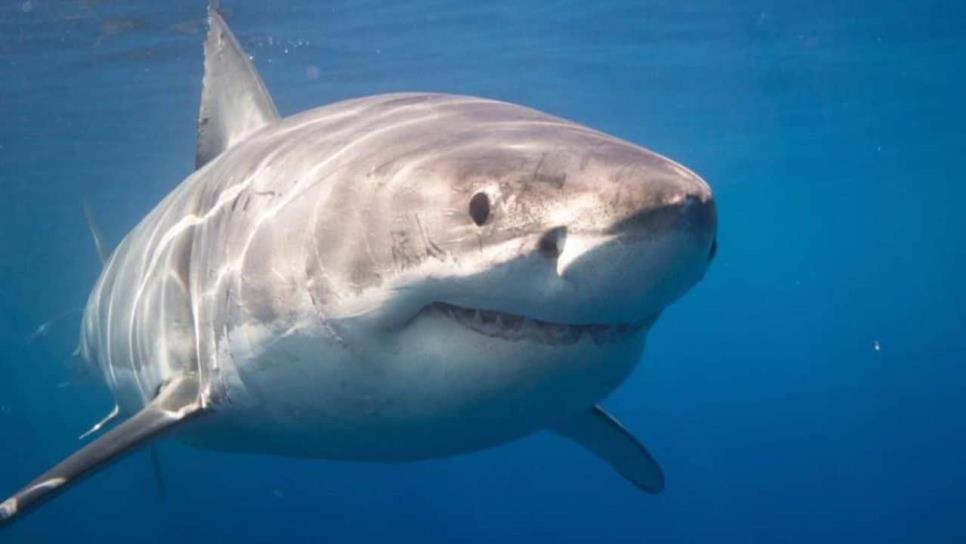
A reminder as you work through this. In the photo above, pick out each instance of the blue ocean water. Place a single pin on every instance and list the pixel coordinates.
(811, 388)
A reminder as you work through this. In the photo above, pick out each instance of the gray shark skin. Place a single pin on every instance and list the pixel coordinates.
(386, 279)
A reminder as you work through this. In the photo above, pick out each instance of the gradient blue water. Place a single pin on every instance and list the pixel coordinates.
(832, 133)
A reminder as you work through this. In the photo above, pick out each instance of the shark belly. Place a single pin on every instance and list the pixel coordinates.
(291, 398)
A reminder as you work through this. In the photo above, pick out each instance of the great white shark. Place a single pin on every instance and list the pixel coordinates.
(386, 279)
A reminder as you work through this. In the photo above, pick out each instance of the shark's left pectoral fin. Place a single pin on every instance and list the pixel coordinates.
(177, 401)
(603, 435)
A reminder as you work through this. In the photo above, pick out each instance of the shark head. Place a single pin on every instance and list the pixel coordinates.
(501, 263)
(543, 220)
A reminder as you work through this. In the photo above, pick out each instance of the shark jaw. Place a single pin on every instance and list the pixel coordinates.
(516, 328)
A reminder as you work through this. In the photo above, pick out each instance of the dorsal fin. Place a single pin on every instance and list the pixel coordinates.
(234, 102)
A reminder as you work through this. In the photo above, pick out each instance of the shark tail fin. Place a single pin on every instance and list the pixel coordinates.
(177, 402)
(234, 101)
(99, 244)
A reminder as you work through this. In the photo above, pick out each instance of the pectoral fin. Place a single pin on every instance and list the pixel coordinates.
(177, 401)
(603, 435)
(102, 251)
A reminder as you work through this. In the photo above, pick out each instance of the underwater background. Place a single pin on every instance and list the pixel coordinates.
(811, 389)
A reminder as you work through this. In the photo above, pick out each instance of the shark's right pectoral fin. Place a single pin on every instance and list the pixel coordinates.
(177, 401)
(603, 435)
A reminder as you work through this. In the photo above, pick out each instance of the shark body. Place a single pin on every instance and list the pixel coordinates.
(386, 279)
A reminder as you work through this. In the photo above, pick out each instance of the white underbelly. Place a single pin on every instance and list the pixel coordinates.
(406, 398)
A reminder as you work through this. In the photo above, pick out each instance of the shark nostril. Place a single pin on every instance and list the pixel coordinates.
(714, 250)
(552, 242)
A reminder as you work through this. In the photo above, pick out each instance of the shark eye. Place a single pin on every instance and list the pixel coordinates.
(480, 208)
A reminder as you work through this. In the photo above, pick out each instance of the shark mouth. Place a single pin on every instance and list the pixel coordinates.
(516, 327)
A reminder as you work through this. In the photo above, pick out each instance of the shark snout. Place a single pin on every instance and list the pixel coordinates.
(684, 215)
(691, 213)
(651, 249)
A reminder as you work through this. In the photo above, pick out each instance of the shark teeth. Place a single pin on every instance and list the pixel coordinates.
(516, 327)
